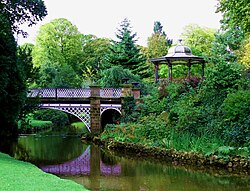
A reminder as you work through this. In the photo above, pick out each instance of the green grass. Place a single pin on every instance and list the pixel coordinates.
(17, 175)
(39, 123)
(78, 125)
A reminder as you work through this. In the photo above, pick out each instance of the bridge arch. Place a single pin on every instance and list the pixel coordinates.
(81, 111)
(110, 116)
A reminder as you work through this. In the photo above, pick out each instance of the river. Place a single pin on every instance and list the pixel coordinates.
(99, 169)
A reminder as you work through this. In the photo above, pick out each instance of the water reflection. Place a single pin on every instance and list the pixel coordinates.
(44, 150)
(98, 169)
(81, 166)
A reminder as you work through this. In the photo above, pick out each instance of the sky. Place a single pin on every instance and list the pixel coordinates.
(102, 17)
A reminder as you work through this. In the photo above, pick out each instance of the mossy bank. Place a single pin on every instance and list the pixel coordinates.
(237, 165)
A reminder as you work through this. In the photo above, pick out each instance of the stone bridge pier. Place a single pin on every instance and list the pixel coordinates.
(96, 107)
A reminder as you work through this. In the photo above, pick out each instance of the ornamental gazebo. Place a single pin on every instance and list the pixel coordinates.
(178, 55)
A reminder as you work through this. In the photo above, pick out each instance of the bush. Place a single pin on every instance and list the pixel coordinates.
(236, 118)
(113, 77)
(58, 118)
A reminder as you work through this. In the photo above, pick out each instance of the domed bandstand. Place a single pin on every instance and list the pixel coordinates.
(178, 55)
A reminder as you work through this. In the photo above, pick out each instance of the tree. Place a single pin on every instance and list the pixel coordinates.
(20, 12)
(112, 77)
(58, 45)
(199, 39)
(124, 52)
(226, 44)
(94, 57)
(12, 85)
(24, 58)
(244, 54)
(12, 88)
(235, 14)
(158, 43)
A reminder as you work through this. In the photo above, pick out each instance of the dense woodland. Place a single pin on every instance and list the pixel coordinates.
(210, 116)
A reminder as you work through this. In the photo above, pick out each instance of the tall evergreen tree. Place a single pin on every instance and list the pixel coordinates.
(126, 53)
(12, 85)
(12, 88)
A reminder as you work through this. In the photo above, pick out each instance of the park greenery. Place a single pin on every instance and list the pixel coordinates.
(210, 116)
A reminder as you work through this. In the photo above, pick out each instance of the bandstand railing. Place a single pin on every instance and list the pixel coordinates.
(73, 93)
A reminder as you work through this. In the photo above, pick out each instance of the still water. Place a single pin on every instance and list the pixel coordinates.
(98, 169)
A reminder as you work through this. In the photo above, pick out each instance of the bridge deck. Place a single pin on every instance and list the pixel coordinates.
(73, 93)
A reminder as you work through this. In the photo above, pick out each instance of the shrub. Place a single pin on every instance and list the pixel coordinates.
(58, 118)
(236, 118)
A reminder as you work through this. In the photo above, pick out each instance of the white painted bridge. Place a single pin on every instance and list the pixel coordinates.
(80, 102)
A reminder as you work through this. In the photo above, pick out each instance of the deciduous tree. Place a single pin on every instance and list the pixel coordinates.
(25, 11)
(58, 45)
(94, 57)
(235, 14)
(199, 39)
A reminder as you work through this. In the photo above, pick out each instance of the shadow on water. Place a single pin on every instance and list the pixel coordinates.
(98, 169)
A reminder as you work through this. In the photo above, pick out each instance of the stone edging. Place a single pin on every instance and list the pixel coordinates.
(238, 165)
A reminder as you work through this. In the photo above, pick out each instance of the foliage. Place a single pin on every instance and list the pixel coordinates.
(152, 103)
(129, 106)
(158, 43)
(57, 52)
(124, 52)
(244, 54)
(236, 116)
(94, 55)
(25, 11)
(226, 44)
(12, 87)
(24, 56)
(58, 118)
(29, 177)
(223, 77)
(199, 39)
(113, 76)
(235, 14)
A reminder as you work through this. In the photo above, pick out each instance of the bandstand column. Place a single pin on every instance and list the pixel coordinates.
(170, 77)
(156, 72)
(189, 70)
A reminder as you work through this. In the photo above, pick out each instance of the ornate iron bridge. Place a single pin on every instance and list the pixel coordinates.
(78, 101)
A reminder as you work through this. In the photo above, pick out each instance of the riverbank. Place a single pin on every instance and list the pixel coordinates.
(17, 175)
(234, 165)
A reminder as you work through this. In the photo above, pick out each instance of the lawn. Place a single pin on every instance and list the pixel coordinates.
(17, 175)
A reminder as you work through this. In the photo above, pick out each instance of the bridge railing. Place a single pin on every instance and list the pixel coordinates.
(110, 92)
(73, 93)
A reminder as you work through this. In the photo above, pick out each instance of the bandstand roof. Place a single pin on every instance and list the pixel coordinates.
(178, 55)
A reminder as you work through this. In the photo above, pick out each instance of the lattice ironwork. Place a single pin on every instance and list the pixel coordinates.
(116, 107)
(47, 92)
(33, 93)
(111, 92)
(73, 93)
(81, 111)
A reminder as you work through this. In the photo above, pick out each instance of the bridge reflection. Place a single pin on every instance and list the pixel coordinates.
(89, 163)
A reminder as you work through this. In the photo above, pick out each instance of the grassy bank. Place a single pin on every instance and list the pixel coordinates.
(17, 175)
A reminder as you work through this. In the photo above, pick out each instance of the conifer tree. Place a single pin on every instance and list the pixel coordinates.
(126, 53)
